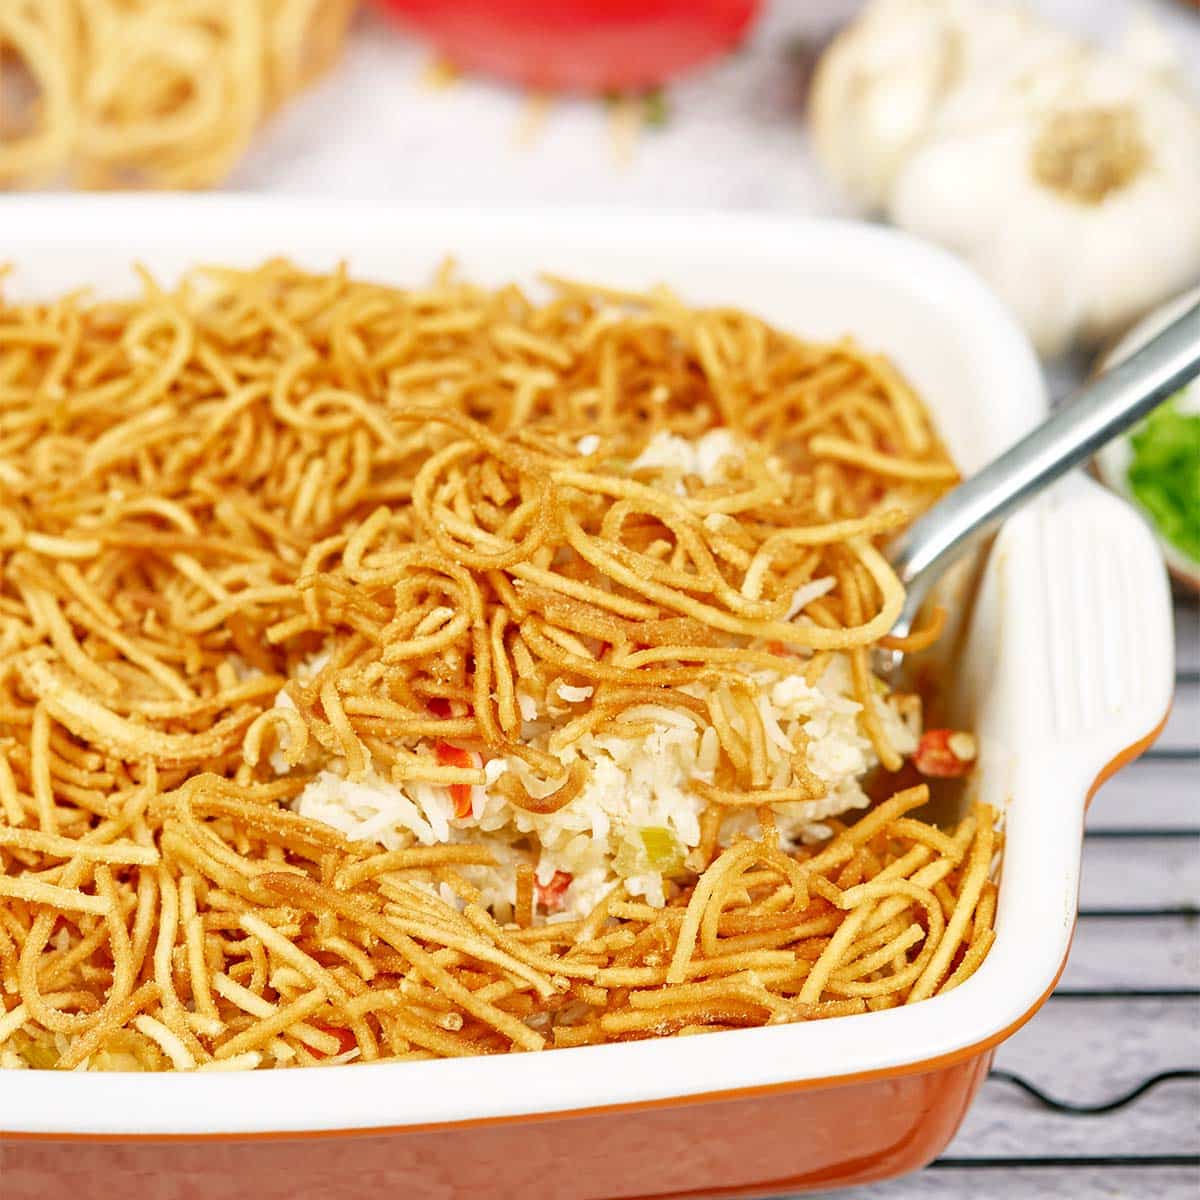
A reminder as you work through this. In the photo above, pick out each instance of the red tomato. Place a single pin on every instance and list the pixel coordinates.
(578, 45)
(945, 753)
(460, 793)
(551, 895)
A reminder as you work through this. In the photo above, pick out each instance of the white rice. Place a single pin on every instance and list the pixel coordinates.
(632, 785)
(638, 792)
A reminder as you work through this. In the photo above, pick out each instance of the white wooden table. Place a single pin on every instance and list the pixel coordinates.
(1128, 1007)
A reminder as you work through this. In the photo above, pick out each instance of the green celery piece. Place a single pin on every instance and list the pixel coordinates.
(654, 848)
(662, 848)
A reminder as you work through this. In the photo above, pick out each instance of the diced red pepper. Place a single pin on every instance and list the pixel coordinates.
(460, 793)
(453, 756)
(945, 753)
(346, 1040)
(439, 706)
(551, 896)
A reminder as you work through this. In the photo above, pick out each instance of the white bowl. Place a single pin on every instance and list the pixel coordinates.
(1113, 461)
(1067, 664)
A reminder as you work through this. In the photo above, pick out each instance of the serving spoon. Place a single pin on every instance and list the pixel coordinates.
(1097, 413)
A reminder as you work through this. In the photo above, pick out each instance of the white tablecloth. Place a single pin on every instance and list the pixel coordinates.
(734, 137)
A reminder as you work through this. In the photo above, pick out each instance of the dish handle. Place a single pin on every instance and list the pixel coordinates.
(1097, 660)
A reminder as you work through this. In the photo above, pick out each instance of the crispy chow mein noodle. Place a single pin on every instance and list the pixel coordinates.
(402, 674)
(150, 93)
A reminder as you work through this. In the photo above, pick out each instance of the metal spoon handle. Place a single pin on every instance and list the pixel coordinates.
(1104, 408)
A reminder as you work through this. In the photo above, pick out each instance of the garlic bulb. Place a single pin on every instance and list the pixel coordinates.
(1075, 190)
(880, 83)
(1067, 176)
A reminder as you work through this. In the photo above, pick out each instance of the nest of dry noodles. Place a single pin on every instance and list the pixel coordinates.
(151, 93)
(200, 489)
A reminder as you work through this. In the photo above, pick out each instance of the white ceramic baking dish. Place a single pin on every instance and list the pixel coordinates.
(1066, 671)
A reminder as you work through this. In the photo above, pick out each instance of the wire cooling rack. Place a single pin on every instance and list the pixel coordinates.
(1099, 1095)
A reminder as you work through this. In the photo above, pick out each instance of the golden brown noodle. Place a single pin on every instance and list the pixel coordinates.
(201, 488)
(151, 93)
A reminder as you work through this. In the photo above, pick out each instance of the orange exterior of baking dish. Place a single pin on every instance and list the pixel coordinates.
(790, 1141)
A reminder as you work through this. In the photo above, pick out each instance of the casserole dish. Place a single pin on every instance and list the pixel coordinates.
(1063, 670)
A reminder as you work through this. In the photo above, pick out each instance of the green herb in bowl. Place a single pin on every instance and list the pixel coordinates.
(1157, 465)
(1164, 474)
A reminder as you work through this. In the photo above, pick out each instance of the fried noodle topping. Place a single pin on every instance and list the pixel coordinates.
(275, 545)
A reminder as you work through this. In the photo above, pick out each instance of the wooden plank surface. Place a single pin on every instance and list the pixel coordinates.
(1149, 874)
(1153, 794)
(1183, 725)
(1160, 952)
(1050, 1182)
